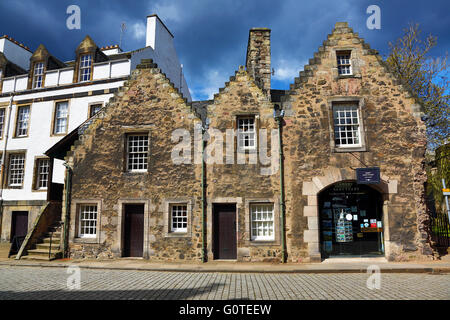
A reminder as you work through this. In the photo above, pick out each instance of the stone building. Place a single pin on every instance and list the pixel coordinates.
(43, 99)
(138, 186)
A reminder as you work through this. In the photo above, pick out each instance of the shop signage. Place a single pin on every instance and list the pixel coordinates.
(368, 175)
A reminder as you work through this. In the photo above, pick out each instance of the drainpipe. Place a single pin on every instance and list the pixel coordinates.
(278, 115)
(203, 201)
(67, 207)
(205, 127)
(3, 161)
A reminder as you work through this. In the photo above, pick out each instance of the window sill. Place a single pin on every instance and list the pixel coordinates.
(349, 149)
(86, 240)
(177, 235)
(264, 242)
(348, 76)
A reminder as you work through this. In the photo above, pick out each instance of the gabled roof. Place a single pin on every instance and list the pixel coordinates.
(42, 53)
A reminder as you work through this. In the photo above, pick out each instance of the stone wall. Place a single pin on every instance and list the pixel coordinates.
(258, 60)
(147, 103)
(394, 140)
(245, 183)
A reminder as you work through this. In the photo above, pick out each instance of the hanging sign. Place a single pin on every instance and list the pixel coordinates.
(368, 175)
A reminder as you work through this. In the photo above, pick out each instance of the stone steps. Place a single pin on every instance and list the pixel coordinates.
(42, 248)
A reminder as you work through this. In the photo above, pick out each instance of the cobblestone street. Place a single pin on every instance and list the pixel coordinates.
(51, 283)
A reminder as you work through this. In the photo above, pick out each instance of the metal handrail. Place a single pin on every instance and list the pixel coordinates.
(50, 247)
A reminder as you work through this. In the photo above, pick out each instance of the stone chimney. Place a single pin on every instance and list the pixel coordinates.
(258, 57)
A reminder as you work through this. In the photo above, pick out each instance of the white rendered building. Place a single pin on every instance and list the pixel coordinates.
(42, 99)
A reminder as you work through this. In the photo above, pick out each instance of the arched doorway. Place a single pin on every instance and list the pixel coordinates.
(350, 217)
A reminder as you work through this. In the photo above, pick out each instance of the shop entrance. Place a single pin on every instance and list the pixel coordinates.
(350, 221)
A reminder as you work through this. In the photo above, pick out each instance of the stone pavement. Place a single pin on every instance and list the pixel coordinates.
(354, 265)
(38, 283)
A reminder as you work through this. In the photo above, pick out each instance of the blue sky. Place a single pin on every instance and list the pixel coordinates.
(211, 35)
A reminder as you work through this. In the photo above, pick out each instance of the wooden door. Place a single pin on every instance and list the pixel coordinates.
(19, 224)
(225, 246)
(134, 231)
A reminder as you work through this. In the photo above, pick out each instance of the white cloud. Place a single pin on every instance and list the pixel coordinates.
(138, 30)
(167, 12)
(287, 69)
(214, 80)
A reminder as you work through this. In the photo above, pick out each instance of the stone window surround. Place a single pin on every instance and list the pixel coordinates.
(74, 216)
(362, 130)
(118, 246)
(168, 217)
(236, 116)
(210, 225)
(276, 222)
(124, 132)
(91, 104)
(312, 189)
(356, 73)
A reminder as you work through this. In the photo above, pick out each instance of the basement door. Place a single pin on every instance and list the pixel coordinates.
(134, 231)
(19, 224)
(225, 246)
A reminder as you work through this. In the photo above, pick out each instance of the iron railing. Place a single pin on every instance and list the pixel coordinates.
(440, 229)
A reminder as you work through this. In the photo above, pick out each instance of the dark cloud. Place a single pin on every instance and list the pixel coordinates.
(211, 35)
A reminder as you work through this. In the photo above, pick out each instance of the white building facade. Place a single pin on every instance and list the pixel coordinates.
(42, 99)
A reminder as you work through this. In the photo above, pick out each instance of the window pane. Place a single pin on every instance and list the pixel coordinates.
(262, 223)
(88, 221)
(137, 147)
(16, 169)
(179, 218)
(2, 121)
(85, 68)
(346, 125)
(22, 121)
(246, 133)
(38, 75)
(61, 112)
(43, 166)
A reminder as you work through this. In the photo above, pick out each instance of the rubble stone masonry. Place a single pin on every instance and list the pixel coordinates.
(393, 138)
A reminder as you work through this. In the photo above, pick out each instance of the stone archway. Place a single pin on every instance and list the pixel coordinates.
(312, 188)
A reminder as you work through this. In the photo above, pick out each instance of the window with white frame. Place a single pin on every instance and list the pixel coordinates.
(23, 116)
(42, 172)
(87, 221)
(2, 120)
(344, 62)
(38, 75)
(178, 218)
(137, 152)
(16, 169)
(60, 122)
(347, 132)
(85, 67)
(262, 222)
(246, 133)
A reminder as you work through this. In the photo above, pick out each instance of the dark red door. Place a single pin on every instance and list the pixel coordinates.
(134, 231)
(225, 246)
(19, 224)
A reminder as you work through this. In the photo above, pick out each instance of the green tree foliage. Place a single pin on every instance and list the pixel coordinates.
(427, 78)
